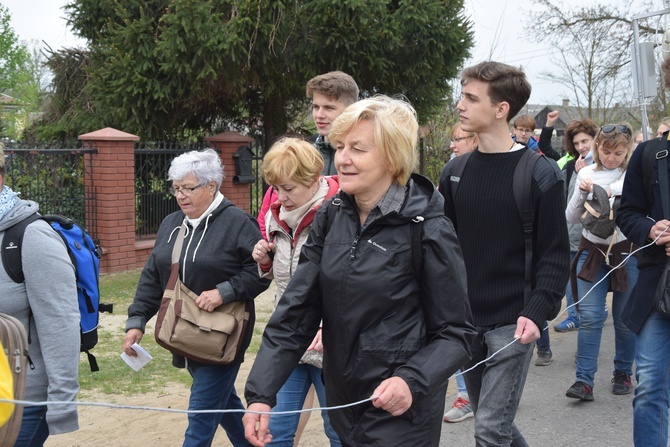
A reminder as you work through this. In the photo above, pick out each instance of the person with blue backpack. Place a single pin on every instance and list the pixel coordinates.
(46, 303)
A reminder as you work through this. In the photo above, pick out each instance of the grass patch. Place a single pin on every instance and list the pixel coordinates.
(117, 378)
(119, 289)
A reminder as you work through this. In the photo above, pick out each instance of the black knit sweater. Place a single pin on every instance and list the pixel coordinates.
(490, 232)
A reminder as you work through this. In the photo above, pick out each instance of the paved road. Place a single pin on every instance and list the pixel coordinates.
(547, 418)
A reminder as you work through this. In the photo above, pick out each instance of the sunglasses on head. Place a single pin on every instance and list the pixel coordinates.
(609, 128)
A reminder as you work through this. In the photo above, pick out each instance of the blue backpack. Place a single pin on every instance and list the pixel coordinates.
(85, 256)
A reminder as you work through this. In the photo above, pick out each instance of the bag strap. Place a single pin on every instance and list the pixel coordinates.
(178, 244)
(662, 157)
(648, 156)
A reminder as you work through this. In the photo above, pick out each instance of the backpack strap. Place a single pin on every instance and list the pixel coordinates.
(12, 243)
(457, 169)
(522, 189)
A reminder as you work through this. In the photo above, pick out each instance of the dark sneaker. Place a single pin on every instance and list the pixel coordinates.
(543, 358)
(567, 325)
(621, 383)
(581, 391)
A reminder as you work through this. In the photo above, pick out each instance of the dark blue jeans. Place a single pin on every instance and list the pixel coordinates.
(291, 397)
(214, 388)
(34, 428)
(495, 387)
(652, 393)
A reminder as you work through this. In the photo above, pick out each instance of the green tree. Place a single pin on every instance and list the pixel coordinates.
(13, 54)
(164, 69)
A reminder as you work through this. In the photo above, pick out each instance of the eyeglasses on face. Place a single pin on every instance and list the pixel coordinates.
(522, 130)
(456, 140)
(609, 128)
(186, 192)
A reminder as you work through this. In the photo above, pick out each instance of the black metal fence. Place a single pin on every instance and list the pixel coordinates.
(56, 176)
(152, 200)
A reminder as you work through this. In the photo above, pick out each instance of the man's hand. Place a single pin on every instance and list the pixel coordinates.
(526, 331)
(256, 425)
(394, 396)
(658, 229)
(551, 118)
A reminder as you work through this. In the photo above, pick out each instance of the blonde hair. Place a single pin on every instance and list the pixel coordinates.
(395, 131)
(294, 159)
(612, 140)
(457, 128)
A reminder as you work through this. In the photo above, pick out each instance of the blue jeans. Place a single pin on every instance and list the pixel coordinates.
(291, 397)
(34, 429)
(214, 389)
(543, 343)
(593, 314)
(652, 394)
(460, 383)
(495, 387)
(569, 299)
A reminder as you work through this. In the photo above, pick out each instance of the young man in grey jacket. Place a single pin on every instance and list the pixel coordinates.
(46, 304)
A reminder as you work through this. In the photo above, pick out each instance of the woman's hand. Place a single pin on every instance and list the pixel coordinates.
(209, 300)
(579, 163)
(256, 425)
(394, 396)
(316, 344)
(586, 185)
(261, 253)
(132, 336)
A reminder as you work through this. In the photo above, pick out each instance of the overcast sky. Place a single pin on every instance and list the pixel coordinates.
(498, 25)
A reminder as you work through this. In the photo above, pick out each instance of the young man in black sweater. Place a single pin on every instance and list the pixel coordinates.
(491, 235)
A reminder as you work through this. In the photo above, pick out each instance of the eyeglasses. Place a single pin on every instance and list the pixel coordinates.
(456, 140)
(186, 192)
(522, 130)
(609, 128)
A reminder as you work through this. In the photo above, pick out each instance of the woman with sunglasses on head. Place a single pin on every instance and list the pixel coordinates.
(612, 148)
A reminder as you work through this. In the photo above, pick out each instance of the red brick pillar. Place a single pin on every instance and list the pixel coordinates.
(114, 186)
(228, 143)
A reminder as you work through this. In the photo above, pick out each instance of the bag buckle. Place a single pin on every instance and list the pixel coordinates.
(661, 154)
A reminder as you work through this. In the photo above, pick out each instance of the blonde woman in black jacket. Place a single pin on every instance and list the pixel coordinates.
(392, 333)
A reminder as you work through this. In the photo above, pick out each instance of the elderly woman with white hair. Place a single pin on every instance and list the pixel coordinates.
(383, 269)
(216, 264)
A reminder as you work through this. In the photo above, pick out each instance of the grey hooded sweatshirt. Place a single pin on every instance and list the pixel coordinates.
(50, 291)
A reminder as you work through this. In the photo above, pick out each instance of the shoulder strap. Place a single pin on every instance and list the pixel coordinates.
(522, 190)
(662, 157)
(416, 229)
(457, 169)
(648, 156)
(11, 248)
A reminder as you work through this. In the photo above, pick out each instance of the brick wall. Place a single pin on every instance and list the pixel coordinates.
(113, 184)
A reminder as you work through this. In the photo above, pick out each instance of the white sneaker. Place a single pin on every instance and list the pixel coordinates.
(460, 411)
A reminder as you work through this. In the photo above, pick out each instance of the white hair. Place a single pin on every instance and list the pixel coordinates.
(205, 166)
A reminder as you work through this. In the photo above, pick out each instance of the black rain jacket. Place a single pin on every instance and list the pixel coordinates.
(378, 319)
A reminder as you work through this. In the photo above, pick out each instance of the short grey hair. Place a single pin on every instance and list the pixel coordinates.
(205, 166)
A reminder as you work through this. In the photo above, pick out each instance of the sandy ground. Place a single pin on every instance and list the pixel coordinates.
(100, 426)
